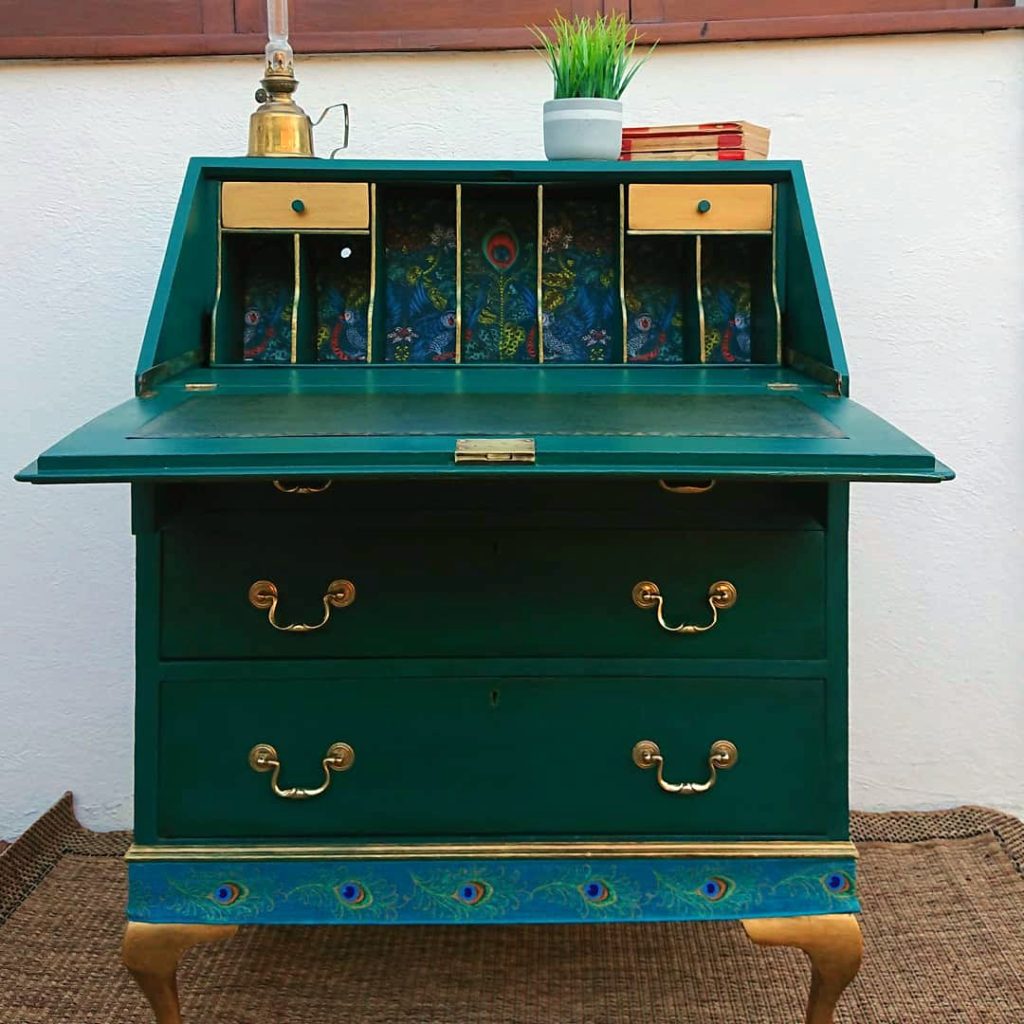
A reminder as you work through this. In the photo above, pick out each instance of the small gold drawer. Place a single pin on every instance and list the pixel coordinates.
(702, 209)
(296, 206)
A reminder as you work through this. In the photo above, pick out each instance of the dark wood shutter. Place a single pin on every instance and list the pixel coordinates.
(145, 28)
(722, 20)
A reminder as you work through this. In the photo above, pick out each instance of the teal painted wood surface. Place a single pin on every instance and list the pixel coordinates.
(177, 332)
(492, 756)
(477, 592)
(863, 446)
(489, 891)
(493, 673)
(179, 335)
(547, 503)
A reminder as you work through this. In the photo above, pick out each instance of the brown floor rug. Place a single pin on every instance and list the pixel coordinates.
(943, 897)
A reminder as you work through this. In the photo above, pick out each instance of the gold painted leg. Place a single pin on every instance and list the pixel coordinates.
(833, 943)
(151, 953)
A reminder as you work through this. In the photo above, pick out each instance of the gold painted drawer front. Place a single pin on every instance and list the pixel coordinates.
(337, 206)
(702, 209)
(490, 755)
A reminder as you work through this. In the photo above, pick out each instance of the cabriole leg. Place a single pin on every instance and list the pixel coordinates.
(833, 943)
(151, 953)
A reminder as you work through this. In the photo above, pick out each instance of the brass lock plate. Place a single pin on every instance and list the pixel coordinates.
(497, 449)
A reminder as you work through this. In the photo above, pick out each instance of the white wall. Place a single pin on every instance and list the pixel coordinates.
(914, 152)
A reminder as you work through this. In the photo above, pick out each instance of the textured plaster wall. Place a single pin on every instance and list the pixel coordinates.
(914, 152)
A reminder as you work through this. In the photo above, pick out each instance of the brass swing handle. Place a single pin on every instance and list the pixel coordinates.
(302, 488)
(263, 758)
(263, 595)
(721, 595)
(722, 756)
(687, 488)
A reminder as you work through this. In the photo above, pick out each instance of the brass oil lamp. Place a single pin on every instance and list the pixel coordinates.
(279, 126)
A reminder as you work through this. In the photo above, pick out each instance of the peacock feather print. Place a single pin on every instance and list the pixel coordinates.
(465, 892)
(420, 292)
(344, 892)
(593, 891)
(694, 890)
(499, 268)
(489, 891)
(211, 895)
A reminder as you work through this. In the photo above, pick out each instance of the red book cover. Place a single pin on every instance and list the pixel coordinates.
(695, 154)
(712, 128)
(667, 141)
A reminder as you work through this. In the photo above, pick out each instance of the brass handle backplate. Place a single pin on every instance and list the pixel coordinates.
(721, 595)
(302, 488)
(263, 758)
(722, 756)
(263, 595)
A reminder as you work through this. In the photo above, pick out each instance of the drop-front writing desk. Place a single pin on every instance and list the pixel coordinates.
(492, 555)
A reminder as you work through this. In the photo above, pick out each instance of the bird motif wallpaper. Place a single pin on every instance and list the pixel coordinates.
(581, 314)
(268, 296)
(658, 270)
(420, 268)
(341, 282)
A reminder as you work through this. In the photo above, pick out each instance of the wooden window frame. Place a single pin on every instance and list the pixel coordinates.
(211, 29)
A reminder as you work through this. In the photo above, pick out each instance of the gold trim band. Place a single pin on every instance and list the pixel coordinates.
(372, 296)
(775, 271)
(698, 257)
(216, 298)
(622, 273)
(540, 273)
(296, 296)
(458, 273)
(694, 231)
(502, 851)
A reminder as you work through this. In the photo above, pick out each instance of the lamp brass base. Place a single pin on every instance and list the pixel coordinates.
(279, 126)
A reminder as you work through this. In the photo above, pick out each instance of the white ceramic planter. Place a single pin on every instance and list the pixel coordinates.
(583, 129)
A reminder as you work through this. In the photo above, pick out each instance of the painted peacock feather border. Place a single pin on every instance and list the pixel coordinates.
(487, 891)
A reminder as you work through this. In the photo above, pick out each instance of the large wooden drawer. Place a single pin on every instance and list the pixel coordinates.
(702, 209)
(482, 593)
(447, 757)
(298, 206)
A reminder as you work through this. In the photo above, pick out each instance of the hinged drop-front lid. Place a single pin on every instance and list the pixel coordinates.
(360, 318)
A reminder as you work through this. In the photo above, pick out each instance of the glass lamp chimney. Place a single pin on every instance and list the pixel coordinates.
(278, 50)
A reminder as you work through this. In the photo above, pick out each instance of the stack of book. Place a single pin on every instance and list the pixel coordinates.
(726, 140)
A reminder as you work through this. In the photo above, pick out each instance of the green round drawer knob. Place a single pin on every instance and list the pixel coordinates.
(298, 206)
(704, 205)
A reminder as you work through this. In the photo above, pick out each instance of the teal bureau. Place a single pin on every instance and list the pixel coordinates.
(491, 527)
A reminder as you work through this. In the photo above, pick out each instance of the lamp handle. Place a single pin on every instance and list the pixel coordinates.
(323, 114)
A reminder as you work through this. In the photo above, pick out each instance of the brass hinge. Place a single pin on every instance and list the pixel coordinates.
(499, 449)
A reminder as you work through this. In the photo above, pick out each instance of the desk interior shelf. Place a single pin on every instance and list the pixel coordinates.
(497, 273)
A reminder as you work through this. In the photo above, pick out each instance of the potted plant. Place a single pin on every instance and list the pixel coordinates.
(591, 61)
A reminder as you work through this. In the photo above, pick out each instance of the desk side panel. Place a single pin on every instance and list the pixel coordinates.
(147, 647)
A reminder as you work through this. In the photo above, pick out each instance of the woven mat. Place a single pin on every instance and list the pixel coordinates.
(943, 897)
